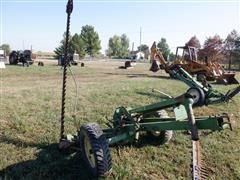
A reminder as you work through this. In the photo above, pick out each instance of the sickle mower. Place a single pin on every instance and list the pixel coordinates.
(129, 125)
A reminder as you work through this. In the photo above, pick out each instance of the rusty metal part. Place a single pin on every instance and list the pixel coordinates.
(199, 169)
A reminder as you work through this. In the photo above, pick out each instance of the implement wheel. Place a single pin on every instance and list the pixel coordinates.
(201, 77)
(163, 137)
(94, 149)
(197, 95)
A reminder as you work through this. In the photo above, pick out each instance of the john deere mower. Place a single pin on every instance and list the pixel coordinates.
(129, 125)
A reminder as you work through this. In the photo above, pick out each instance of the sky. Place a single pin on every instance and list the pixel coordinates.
(41, 23)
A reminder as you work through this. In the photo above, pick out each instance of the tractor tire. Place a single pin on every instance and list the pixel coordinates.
(30, 62)
(26, 64)
(201, 78)
(198, 96)
(95, 150)
(12, 60)
(163, 137)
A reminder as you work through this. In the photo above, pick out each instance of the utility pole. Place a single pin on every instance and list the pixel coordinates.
(132, 53)
(140, 49)
(23, 45)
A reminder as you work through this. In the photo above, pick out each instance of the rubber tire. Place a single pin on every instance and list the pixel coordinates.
(12, 60)
(26, 63)
(201, 96)
(201, 78)
(166, 135)
(100, 149)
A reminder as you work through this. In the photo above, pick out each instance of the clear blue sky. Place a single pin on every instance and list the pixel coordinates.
(41, 23)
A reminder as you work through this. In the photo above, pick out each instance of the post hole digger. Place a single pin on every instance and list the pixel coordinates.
(129, 125)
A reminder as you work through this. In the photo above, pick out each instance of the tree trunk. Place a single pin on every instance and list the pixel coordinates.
(230, 61)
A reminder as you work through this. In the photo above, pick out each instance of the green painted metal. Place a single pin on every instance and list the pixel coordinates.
(212, 95)
(128, 122)
(158, 124)
(118, 138)
(157, 106)
(211, 123)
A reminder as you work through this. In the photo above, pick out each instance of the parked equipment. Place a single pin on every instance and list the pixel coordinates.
(24, 57)
(186, 57)
(72, 61)
(130, 64)
(202, 93)
(128, 125)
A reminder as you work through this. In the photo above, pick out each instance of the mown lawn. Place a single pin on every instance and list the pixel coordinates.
(30, 114)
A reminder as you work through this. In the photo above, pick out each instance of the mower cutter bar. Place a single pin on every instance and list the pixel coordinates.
(198, 170)
(231, 93)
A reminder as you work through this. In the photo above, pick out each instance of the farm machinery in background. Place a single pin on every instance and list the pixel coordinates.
(24, 57)
(129, 125)
(73, 60)
(186, 57)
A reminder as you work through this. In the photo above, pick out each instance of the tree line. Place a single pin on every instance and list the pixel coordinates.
(87, 42)
(214, 48)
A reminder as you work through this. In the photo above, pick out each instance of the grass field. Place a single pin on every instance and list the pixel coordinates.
(30, 113)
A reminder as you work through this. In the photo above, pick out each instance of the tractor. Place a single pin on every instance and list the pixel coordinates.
(24, 57)
(186, 57)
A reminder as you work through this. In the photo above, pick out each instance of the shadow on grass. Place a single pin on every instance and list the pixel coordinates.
(140, 75)
(153, 94)
(51, 163)
(16, 65)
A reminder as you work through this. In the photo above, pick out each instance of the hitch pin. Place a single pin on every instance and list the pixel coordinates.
(155, 90)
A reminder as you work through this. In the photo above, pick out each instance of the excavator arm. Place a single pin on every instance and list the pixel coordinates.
(156, 55)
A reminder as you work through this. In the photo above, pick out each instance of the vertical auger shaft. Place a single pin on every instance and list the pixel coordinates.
(66, 61)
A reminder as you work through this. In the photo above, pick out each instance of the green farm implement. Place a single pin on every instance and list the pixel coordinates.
(203, 94)
(129, 125)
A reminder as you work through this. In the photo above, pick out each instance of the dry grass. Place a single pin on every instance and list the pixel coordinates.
(30, 113)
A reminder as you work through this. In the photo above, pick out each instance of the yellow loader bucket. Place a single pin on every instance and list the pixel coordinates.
(230, 78)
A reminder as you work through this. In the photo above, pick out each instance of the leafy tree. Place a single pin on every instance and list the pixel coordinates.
(212, 49)
(231, 49)
(124, 46)
(91, 40)
(171, 56)
(163, 47)
(194, 42)
(114, 46)
(60, 49)
(145, 49)
(118, 46)
(78, 45)
(6, 48)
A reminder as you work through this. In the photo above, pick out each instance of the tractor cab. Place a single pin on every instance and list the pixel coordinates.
(187, 53)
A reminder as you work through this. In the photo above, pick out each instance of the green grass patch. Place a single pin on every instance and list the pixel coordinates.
(30, 114)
